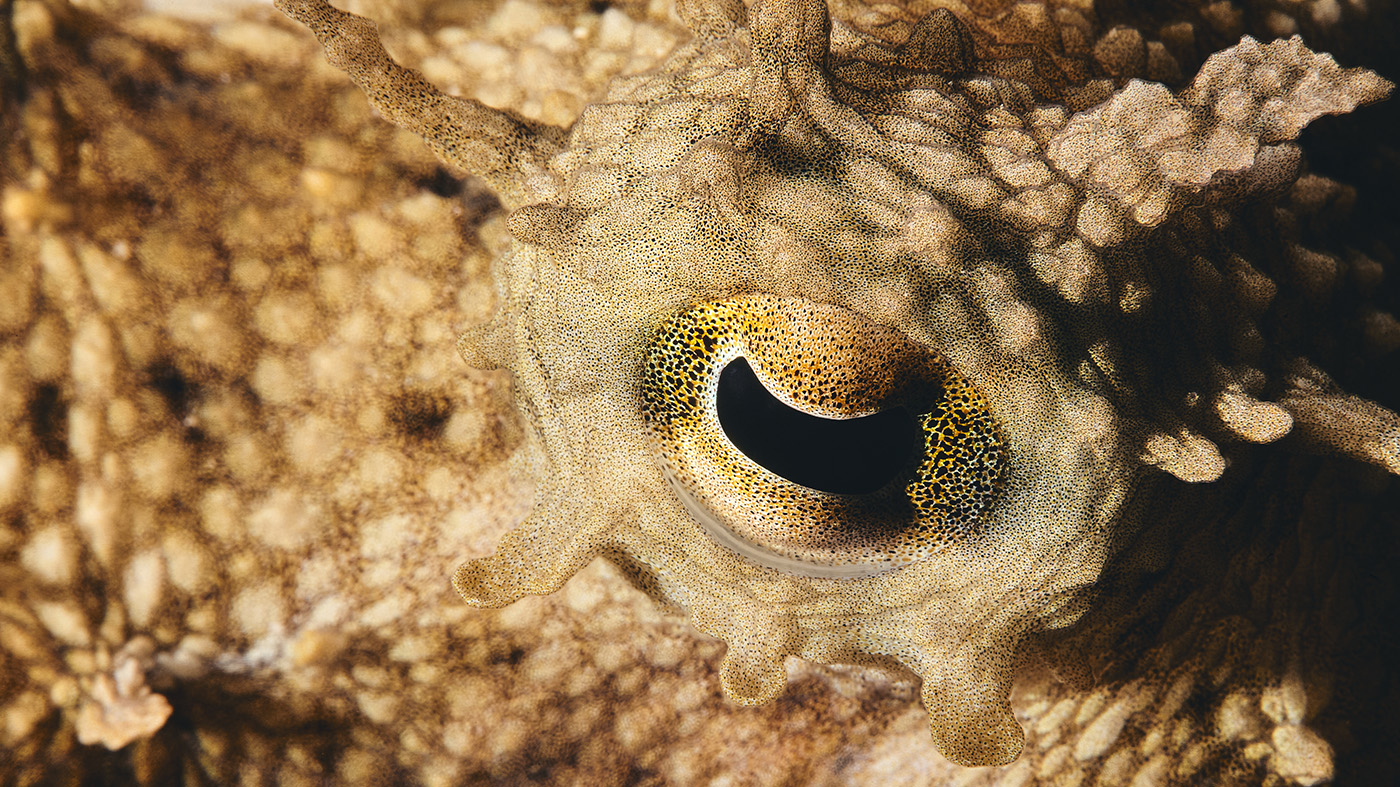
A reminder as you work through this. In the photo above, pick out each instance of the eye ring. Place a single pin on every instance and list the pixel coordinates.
(825, 363)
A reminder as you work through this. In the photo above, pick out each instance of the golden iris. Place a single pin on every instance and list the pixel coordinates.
(812, 440)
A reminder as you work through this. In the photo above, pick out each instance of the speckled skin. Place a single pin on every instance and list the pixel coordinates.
(1242, 636)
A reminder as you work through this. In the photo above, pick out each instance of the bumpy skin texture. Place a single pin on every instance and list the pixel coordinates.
(759, 158)
(237, 293)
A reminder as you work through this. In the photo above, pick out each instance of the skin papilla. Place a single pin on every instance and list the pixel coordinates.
(240, 460)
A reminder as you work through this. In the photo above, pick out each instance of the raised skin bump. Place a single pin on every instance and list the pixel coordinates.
(491, 144)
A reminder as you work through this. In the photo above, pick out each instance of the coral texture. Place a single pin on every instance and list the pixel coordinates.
(239, 460)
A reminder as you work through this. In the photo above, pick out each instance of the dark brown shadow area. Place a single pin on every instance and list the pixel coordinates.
(1282, 571)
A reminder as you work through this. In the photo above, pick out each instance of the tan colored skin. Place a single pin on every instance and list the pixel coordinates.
(1230, 641)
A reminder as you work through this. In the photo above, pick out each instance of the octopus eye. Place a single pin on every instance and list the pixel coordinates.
(813, 441)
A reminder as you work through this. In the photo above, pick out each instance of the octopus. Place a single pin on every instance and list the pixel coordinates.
(916, 393)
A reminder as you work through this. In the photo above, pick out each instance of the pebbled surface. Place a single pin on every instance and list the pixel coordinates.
(231, 411)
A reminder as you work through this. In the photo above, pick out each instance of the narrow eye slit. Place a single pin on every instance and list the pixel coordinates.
(811, 440)
(852, 456)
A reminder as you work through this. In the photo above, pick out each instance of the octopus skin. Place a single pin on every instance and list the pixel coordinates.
(1122, 250)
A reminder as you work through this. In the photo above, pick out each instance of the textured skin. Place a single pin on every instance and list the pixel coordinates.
(222, 496)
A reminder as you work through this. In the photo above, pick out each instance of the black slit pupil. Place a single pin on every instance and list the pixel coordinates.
(852, 456)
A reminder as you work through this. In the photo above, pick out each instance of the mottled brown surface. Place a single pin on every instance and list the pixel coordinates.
(239, 458)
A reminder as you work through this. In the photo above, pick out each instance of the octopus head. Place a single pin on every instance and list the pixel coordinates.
(853, 342)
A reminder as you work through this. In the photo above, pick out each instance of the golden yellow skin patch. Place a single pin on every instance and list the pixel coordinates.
(831, 363)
